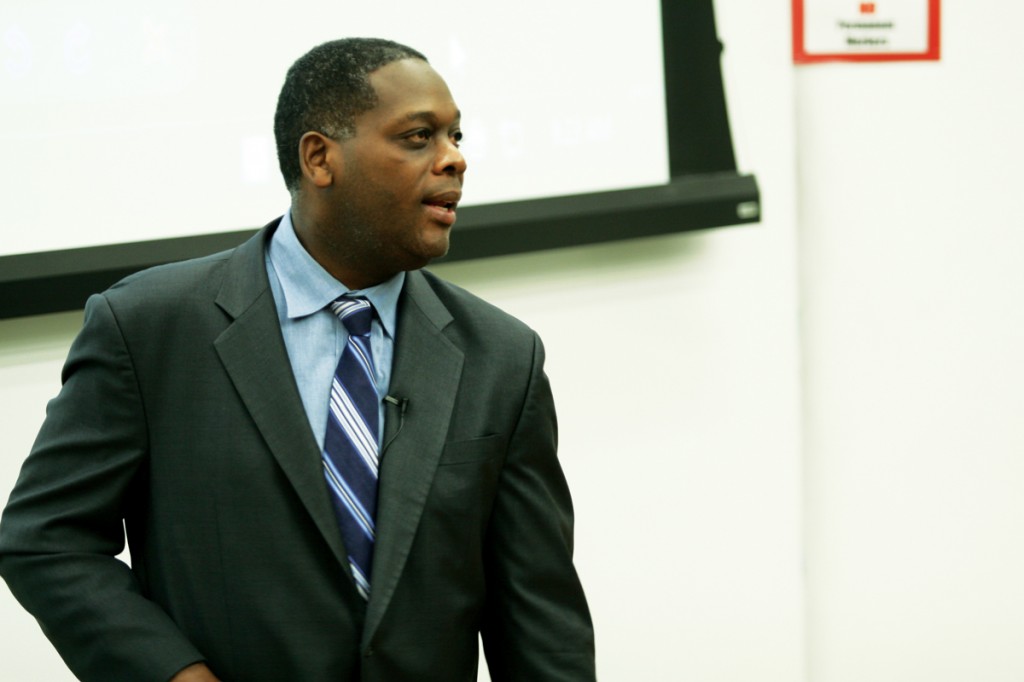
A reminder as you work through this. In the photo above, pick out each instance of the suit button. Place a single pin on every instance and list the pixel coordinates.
(369, 651)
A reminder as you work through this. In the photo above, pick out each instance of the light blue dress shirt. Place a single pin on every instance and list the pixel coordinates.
(313, 335)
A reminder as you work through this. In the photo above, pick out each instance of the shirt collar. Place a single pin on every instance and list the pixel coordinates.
(308, 288)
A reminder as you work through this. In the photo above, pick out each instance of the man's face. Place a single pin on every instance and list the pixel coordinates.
(400, 175)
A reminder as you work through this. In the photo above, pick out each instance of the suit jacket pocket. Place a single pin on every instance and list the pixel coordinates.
(473, 450)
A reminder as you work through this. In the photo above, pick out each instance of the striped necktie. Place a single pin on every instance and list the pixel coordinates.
(350, 447)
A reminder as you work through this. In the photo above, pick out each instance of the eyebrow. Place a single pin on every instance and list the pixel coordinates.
(429, 116)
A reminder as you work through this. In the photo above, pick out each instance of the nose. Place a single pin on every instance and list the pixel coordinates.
(450, 159)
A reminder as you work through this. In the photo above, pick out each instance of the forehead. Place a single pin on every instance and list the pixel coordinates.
(410, 87)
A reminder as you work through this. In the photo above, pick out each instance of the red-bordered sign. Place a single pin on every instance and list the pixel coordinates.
(865, 31)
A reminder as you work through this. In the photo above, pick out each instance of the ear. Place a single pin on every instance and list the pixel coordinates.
(319, 159)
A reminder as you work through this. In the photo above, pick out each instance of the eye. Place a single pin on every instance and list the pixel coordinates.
(457, 137)
(420, 135)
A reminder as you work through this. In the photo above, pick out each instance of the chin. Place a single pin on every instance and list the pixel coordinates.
(434, 248)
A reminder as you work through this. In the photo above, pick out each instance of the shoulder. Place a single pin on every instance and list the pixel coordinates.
(197, 281)
(171, 279)
(160, 306)
(473, 313)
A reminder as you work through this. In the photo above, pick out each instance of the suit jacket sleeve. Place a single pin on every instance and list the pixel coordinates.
(537, 624)
(62, 527)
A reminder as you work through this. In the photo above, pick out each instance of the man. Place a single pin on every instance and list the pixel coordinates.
(195, 412)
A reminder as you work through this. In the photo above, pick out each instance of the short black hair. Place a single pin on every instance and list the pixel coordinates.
(325, 90)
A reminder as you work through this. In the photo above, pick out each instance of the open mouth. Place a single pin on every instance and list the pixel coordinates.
(442, 212)
(447, 200)
(442, 206)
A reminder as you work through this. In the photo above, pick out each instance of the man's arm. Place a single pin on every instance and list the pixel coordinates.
(537, 625)
(63, 525)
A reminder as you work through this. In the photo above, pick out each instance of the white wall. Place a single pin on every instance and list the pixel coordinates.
(912, 265)
(700, 578)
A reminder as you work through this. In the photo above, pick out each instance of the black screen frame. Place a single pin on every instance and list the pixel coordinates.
(704, 190)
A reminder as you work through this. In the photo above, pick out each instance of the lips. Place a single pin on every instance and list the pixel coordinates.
(442, 206)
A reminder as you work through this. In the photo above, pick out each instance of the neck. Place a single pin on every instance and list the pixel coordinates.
(320, 238)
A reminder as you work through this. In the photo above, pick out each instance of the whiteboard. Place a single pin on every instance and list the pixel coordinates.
(130, 121)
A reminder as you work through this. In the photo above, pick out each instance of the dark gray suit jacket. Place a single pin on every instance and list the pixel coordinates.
(180, 416)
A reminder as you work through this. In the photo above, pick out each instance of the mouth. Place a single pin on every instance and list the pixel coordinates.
(442, 206)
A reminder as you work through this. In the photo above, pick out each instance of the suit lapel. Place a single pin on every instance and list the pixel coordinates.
(253, 354)
(425, 371)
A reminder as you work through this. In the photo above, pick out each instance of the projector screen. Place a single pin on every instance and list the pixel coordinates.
(125, 121)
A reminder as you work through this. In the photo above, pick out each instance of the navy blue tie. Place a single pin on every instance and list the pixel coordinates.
(350, 455)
